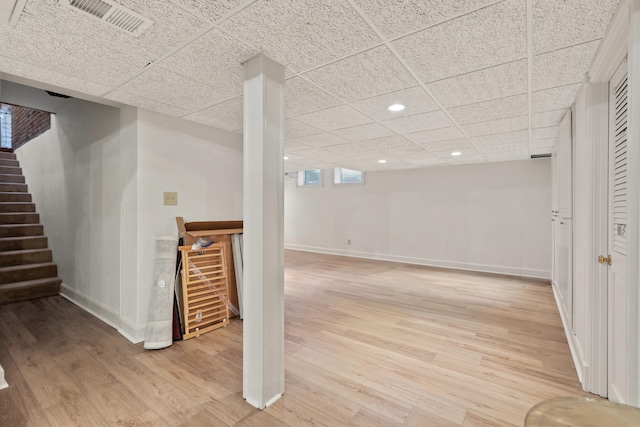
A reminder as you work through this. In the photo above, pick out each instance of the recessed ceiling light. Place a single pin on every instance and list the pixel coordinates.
(396, 107)
(382, 161)
(286, 158)
(456, 153)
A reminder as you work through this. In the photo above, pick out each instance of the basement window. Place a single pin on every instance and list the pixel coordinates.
(347, 176)
(310, 178)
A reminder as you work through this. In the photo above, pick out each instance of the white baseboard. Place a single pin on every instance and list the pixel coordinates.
(133, 333)
(484, 268)
(3, 382)
(579, 364)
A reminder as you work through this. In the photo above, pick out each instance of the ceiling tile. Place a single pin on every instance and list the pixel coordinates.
(215, 59)
(370, 154)
(502, 138)
(419, 122)
(510, 124)
(421, 159)
(293, 167)
(556, 98)
(296, 129)
(397, 17)
(166, 86)
(334, 118)
(548, 118)
(348, 148)
(488, 37)
(320, 140)
(210, 10)
(505, 156)
(392, 145)
(483, 85)
(468, 154)
(504, 148)
(453, 144)
(367, 74)
(302, 34)
(544, 133)
(321, 155)
(227, 115)
(496, 109)
(291, 146)
(368, 131)
(130, 98)
(564, 66)
(543, 143)
(414, 99)
(539, 151)
(429, 136)
(44, 75)
(557, 24)
(302, 97)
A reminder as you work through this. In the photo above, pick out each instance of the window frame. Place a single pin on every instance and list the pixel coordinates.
(337, 178)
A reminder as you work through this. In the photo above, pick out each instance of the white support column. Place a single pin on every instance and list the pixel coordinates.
(263, 330)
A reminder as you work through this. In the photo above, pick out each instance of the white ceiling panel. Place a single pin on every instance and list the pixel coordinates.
(555, 98)
(292, 146)
(414, 99)
(496, 109)
(451, 145)
(365, 75)
(392, 145)
(397, 17)
(539, 151)
(505, 156)
(215, 60)
(502, 138)
(296, 129)
(348, 148)
(318, 154)
(421, 159)
(302, 97)
(173, 89)
(483, 85)
(302, 34)
(504, 148)
(543, 143)
(44, 75)
(564, 66)
(334, 118)
(226, 115)
(544, 133)
(469, 154)
(436, 135)
(558, 24)
(419, 122)
(488, 37)
(548, 118)
(320, 140)
(368, 131)
(210, 10)
(130, 98)
(510, 124)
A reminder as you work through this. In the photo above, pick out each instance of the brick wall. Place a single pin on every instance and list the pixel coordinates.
(26, 124)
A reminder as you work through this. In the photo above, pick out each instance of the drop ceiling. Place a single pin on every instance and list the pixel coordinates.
(491, 79)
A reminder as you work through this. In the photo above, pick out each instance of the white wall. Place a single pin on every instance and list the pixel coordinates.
(484, 217)
(73, 173)
(97, 178)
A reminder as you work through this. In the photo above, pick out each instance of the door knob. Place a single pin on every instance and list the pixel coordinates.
(602, 259)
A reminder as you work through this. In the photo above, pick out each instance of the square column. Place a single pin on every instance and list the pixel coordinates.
(263, 257)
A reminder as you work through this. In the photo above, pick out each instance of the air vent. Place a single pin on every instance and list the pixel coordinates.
(540, 156)
(57, 95)
(111, 13)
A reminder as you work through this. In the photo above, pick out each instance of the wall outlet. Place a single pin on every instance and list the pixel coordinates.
(170, 198)
(348, 241)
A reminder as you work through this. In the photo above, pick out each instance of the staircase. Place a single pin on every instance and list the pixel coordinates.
(26, 267)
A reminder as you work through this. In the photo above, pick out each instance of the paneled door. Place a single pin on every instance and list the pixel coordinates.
(618, 362)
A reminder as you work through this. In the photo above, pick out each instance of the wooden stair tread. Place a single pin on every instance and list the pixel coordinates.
(29, 289)
(28, 283)
(6, 239)
(23, 251)
(12, 268)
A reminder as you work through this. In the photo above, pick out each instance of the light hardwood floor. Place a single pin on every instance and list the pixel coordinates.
(368, 343)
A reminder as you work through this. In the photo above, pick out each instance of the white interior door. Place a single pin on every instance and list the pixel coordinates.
(618, 369)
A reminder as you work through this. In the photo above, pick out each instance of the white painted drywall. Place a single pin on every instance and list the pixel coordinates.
(73, 173)
(486, 217)
(202, 164)
(98, 178)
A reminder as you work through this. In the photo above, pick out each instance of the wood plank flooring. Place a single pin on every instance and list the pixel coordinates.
(368, 343)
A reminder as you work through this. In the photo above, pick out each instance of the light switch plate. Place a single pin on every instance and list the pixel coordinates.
(170, 198)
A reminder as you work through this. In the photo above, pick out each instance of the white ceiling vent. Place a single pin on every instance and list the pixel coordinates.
(112, 13)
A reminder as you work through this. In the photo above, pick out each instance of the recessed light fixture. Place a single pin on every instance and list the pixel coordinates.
(382, 161)
(396, 107)
(456, 153)
(286, 158)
